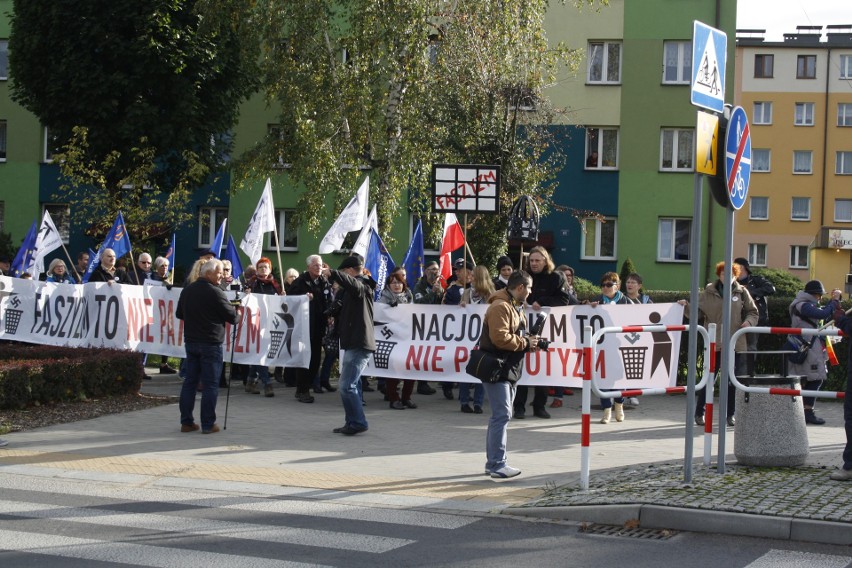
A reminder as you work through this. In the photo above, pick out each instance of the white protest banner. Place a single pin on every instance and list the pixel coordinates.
(274, 330)
(432, 343)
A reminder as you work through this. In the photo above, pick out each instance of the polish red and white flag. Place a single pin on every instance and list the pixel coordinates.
(452, 240)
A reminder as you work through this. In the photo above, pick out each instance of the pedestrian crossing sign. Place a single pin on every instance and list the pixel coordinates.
(709, 58)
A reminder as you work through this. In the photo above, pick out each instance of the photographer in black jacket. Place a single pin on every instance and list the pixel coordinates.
(759, 288)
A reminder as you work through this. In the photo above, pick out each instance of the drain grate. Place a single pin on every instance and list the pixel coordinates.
(628, 532)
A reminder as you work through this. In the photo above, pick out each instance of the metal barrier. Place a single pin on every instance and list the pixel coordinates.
(590, 354)
(805, 332)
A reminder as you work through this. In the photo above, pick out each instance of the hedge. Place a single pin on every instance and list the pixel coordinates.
(40, 374)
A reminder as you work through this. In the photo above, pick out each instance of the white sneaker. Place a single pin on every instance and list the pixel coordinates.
(505, 472)
(632, 401)
(5, 443)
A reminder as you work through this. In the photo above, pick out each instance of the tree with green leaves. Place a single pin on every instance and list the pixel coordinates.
(138, 97)
(393, 87)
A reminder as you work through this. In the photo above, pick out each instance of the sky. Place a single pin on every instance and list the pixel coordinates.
(778, 17)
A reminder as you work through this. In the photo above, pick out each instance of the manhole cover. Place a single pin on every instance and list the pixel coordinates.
(634, 532)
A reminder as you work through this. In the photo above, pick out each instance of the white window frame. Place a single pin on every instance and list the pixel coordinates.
(4, 59)
(755, 161)
(803, 114)
(599, 147)
(597, 254)
(762, 112)
(681, 51)
(667, 248)
(754, 209)
(605, 47)
(810, 156)
(60, 214)
(807, 207)
(47, 151)
(843, 206)
(798, 260)
(806, 71)
(846, 67)
(4, 137)
(757, 253)
(676, 135)
(282, 225)
(843, 163)
(844, 114)
(215, 216)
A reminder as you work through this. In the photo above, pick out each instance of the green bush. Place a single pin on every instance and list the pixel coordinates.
(40, 374)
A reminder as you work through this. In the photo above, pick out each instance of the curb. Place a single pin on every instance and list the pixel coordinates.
(697, 520)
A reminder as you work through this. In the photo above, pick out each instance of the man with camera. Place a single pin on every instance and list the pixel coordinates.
(503, 334)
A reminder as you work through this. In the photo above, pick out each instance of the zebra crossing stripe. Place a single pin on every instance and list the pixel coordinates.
(132, 554)
(795, 559)
(205, 527)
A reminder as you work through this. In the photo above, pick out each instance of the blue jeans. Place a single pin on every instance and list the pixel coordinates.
(607, 402)
(464, 393)
(262, 373)
(204, 364)
(500, 396)
(353, 364)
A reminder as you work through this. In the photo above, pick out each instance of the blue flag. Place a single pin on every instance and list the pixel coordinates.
(232, 255)
(26, 254)
(219, 241)
(413, 261)
(170, 254)
(117, 239)
(378, 261)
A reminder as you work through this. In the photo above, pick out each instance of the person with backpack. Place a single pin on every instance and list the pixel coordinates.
(805, 312)
(759, 288)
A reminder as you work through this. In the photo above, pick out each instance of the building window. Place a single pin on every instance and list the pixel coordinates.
(762, 113)
(60, 213)
(50, 146)
(677, 147)
(798, 256)
(604, 62)
(801, 209)
(764, 66)
(209, 221)
(844, 114)
(806, 67)
(761, 160)
(4, 59)
(846, 66)
(677, 62)
(757, 254)
(844, 164)
(598, 241)
(601, 148)
(2, 140)
(758, 208)
(843, 210)
(804, 114)
(286, 231)
(674, 238)
(802, 161)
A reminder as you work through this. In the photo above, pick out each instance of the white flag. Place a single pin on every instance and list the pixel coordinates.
(363, 242)
(352, 218)
(47, 241)
(261, 223)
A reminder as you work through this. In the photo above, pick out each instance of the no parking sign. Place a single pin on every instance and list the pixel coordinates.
(737, 158)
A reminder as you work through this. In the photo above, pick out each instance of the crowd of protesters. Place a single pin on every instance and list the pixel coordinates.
(341, 313)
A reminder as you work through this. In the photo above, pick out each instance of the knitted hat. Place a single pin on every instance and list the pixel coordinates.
(350, 262)
(744, 263)
(504, 261)
(814, 287)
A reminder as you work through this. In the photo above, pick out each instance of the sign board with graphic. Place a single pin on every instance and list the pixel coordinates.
(709, 59)
(737, 158)
(706, 143)
(465, 188)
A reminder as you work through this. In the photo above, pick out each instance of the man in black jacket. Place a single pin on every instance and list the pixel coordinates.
(759, 288)
(204, 310)
(357, 338)
(314, 285)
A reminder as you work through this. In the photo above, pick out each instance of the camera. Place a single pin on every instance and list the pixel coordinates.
(536, 329)
(542, 344)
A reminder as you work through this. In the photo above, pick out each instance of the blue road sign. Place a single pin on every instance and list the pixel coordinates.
(709, 57)
(737, 158)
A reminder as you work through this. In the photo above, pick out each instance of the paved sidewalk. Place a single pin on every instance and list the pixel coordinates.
(433, 457)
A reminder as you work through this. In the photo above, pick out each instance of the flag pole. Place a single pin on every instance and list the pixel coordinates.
(278, 252)
(71, 263)
(466, 246)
